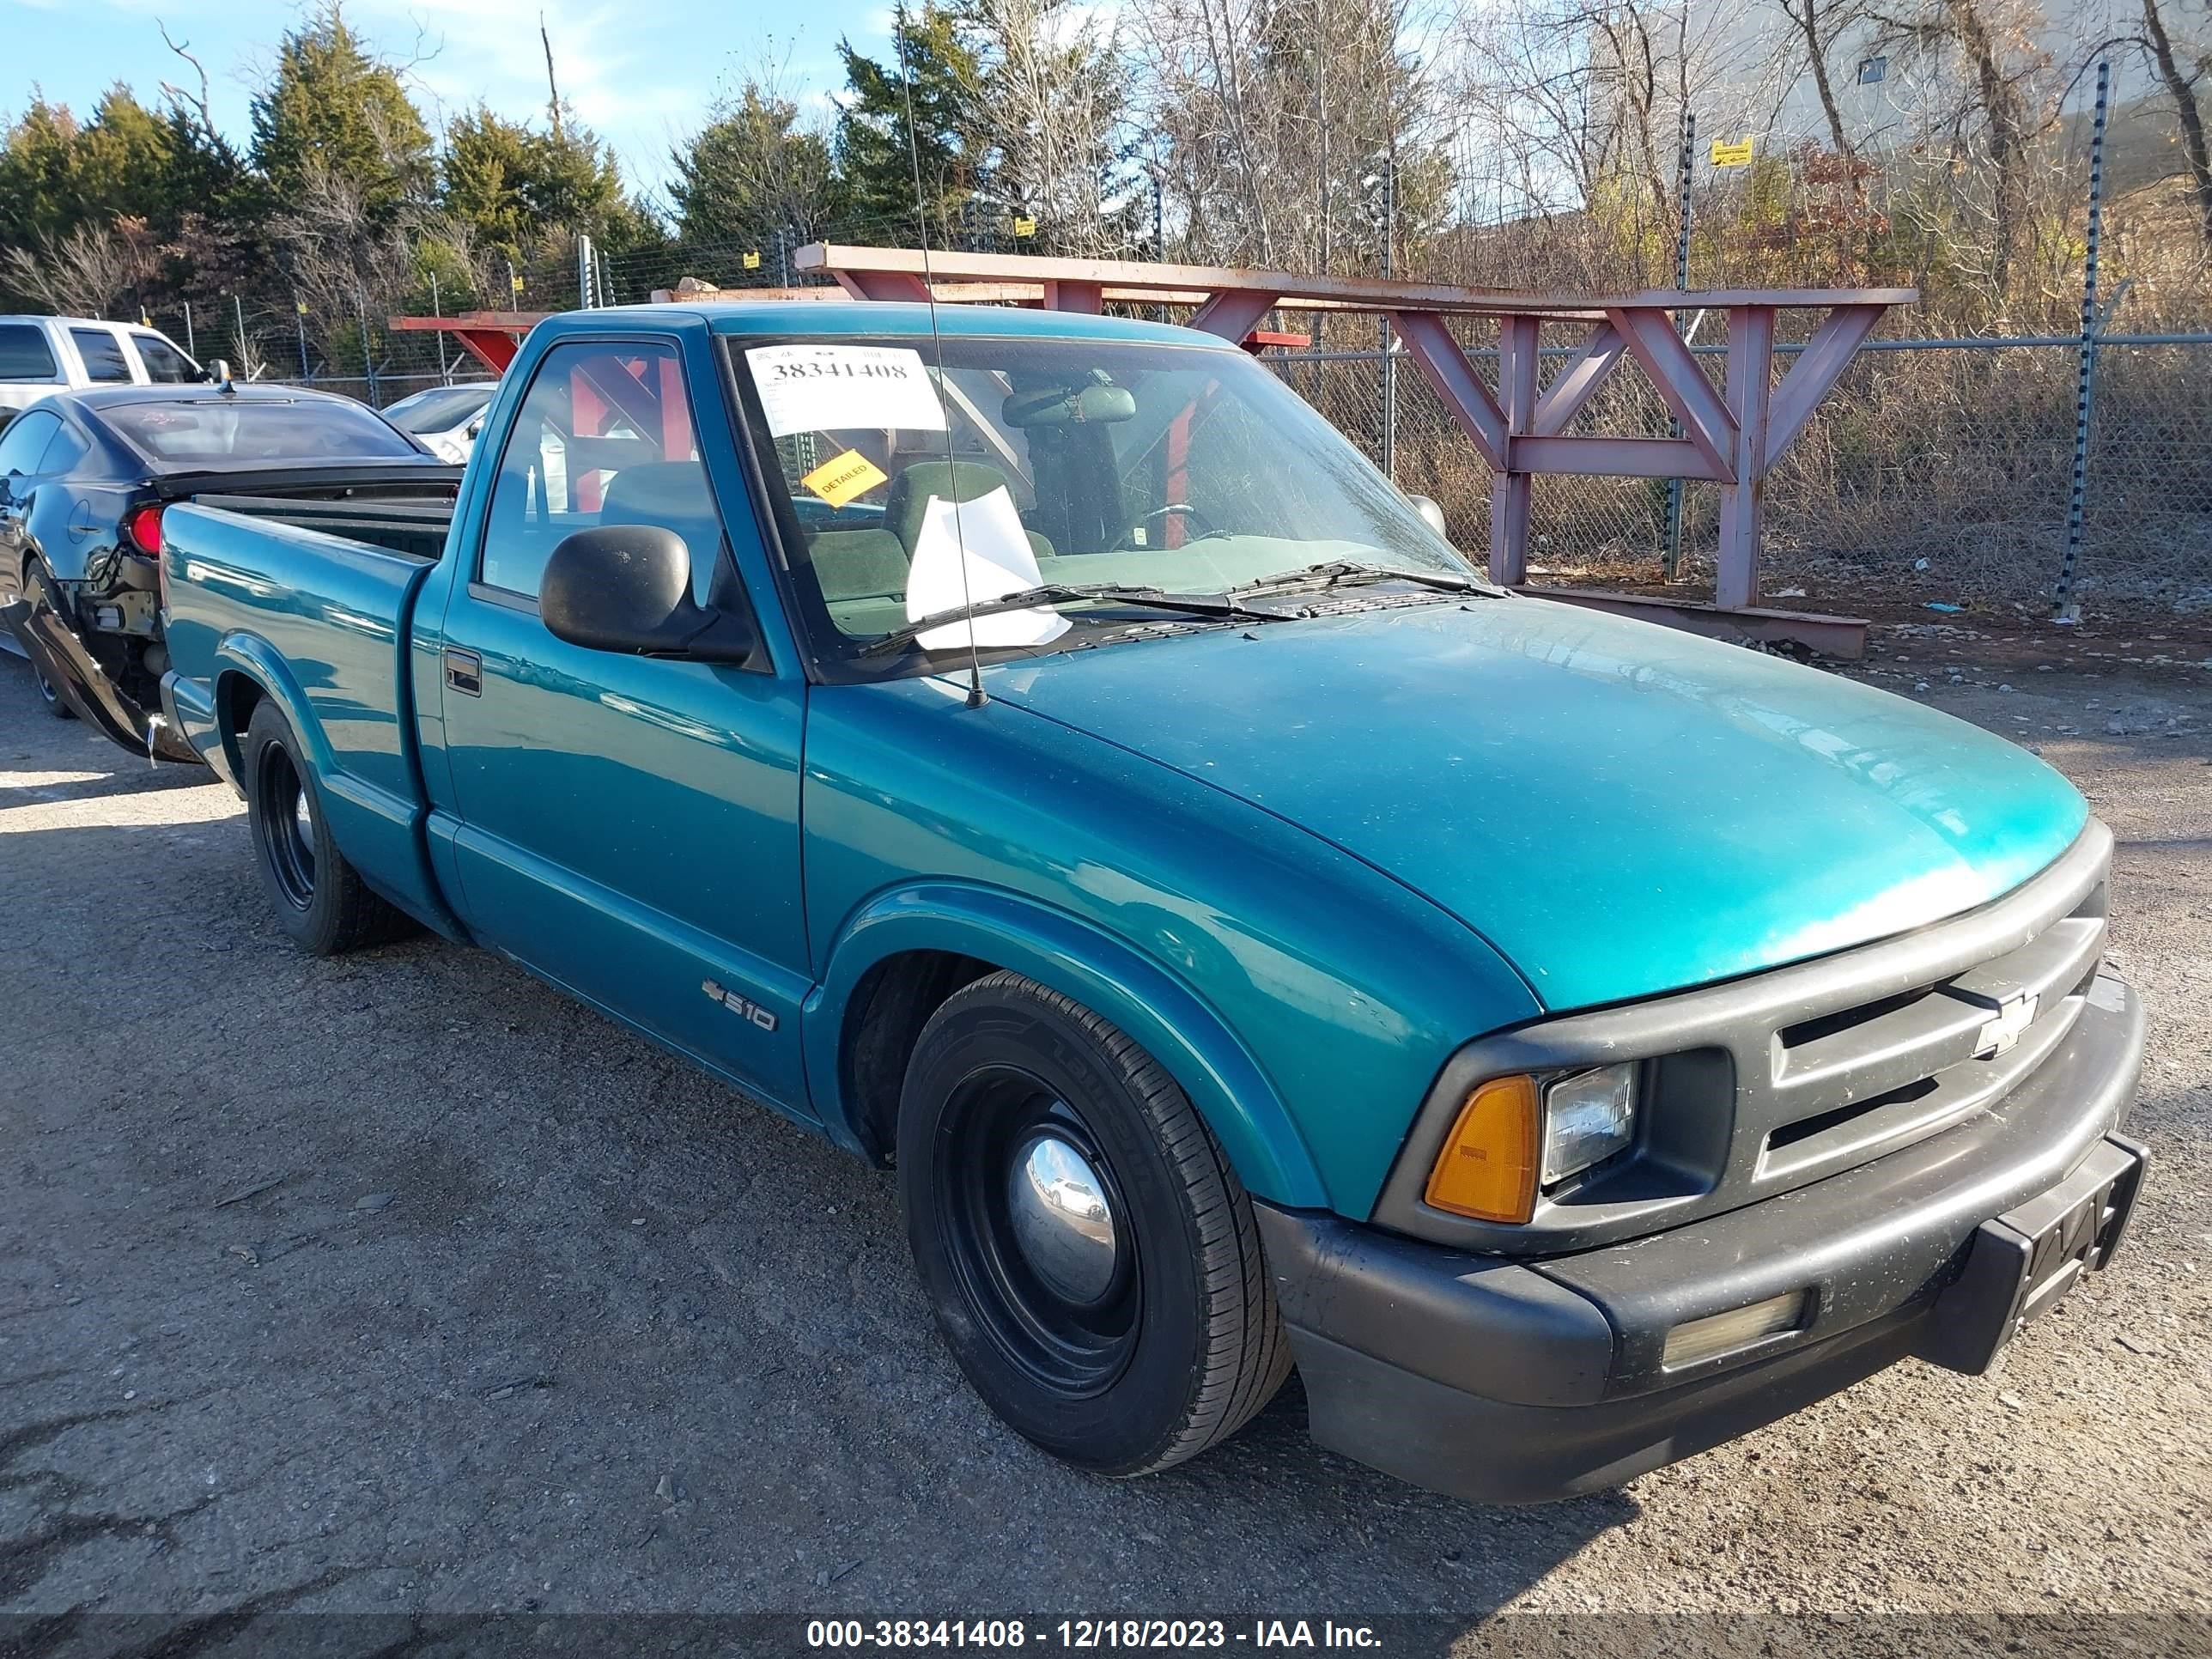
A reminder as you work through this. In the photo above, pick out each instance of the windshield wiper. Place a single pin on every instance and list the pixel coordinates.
(1343, 573)
(1054, 593)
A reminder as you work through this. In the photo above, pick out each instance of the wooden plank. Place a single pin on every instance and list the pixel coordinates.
(1232, 314)
(1579, 381)
(1816, 371)
(1750, 374)
(1373, 292)
(1842, 637)
(1613, 458)
(1431, 346)
(1680, 381)
(1512, 490)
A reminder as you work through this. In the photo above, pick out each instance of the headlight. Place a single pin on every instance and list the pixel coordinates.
(1514, 1136)
(1587, 1118)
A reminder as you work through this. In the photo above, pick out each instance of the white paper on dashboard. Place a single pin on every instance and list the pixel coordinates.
(986, 537)
(842, 388)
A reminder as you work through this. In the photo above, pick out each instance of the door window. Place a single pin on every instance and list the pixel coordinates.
(604, 437)
(165, 364)
(25, 442)
(25, 355)
(104, 361)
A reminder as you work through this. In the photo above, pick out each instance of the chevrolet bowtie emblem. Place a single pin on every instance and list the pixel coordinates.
(1999, 1034)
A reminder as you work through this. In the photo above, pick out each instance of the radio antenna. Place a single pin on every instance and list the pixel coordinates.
(975, 697)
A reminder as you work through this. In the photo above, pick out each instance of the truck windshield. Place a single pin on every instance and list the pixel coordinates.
(215, 430)
(1042, 463)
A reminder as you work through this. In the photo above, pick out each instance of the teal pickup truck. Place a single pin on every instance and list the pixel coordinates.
(1038, 753)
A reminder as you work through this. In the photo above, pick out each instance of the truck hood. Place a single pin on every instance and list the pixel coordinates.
(1619, 809)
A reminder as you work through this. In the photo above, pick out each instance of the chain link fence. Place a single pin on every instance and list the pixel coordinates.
(1937, 472)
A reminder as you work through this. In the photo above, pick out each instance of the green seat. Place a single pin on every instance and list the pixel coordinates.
(913, 490)
(859, 564)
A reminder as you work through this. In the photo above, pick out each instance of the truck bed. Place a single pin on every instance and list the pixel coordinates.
(411, 530)
(324, 616)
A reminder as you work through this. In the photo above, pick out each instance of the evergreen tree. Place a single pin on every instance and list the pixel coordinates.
(335, 111)
(878, 150)
(753, 173)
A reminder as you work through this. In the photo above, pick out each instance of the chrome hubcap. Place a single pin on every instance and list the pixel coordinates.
(303, 817)
(1061, 1219)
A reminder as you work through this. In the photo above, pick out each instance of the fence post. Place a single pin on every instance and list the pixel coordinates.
(238, 334)
(191, 350)
(438, 309)
(300, 319)
(1389, 340)
(368, 357)
(1673, 569)
(2063, 606)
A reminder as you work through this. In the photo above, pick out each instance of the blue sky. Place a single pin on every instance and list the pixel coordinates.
(643, 75)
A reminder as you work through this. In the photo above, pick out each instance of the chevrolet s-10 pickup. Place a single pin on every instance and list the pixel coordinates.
(1038, 753)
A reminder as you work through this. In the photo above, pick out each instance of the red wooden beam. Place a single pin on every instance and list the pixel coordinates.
(1430, 345)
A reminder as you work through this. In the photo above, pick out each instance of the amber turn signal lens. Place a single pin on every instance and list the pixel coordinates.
(1487, 1166)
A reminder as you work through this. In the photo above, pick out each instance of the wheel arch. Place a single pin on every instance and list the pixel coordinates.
(923, 942)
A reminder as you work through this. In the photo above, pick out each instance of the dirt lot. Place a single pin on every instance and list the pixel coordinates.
(399, 1283)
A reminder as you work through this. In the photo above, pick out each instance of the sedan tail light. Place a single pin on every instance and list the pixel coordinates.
(144, 528)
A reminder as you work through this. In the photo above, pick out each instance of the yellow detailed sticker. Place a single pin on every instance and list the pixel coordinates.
(1737, 154)
(840, 478)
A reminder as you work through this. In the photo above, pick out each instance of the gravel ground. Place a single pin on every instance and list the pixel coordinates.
(400, 1284)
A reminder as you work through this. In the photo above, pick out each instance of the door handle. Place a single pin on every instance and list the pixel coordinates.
(465, 672)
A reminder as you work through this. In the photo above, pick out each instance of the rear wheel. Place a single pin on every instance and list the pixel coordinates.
(49, 693)
(1091, 1256)
(321, 901)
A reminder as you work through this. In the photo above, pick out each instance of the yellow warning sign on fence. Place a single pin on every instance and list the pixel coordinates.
(1024, 227)
(842, 477)
(1737, 154)
(752, 262)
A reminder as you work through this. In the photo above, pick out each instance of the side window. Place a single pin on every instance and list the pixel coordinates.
(25, 355)
(104, 361)
(165, 364)
(25, 440)
(604, 437)
(64, 452)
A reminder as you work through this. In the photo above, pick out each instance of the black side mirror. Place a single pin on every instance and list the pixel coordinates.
(628, 588)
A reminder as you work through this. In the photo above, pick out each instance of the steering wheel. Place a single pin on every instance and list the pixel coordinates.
(1199, 522)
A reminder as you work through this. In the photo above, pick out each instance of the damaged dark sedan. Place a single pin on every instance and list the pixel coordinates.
(85, 477)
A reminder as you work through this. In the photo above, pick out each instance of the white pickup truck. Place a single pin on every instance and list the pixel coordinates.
(39, 356)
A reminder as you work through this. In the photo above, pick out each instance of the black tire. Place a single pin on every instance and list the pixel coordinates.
(56, 704)
(1183, 1343)
(320, 900)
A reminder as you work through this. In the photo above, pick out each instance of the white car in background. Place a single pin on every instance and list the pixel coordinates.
(444, 418)
(43, 355)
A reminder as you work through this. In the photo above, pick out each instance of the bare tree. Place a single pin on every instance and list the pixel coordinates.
(2179, 70)
(86, 272)
(1050, 105)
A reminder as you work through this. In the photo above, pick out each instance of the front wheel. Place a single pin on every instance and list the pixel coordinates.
(1089, 1255)
(321, 901)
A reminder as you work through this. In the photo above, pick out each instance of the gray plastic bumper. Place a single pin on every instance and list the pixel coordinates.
(1509, 1382)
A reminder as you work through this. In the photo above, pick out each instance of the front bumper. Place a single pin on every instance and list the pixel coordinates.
(1522, 1381)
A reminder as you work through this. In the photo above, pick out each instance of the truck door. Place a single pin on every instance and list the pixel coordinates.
(629, 827)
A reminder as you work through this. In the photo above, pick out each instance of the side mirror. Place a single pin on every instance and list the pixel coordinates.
(1431, 514)
(475, 429)
(628, 588)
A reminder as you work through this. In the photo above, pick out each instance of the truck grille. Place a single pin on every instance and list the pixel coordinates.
(1766, 1083)
(1859, 1081)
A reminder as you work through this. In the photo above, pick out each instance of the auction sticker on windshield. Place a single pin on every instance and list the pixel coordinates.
(844, 388)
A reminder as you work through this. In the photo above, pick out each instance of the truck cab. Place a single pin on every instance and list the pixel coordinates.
(1040, 755)
(44, 354)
